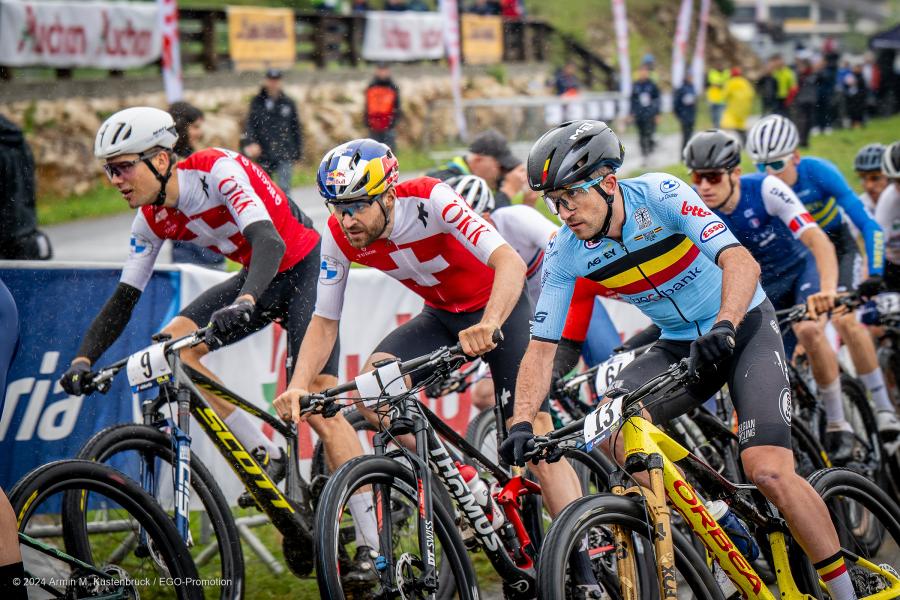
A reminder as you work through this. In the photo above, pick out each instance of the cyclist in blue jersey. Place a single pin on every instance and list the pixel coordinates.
(772, 144)
(653, 241)
(797, 260)
(12, 573)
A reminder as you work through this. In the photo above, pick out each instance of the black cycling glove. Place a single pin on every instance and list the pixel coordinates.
(227, 321)
(519, 441)
(712, 348)
(75, 380)
(870, 287)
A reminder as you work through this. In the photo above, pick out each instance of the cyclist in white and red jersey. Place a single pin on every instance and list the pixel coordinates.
(421, 233)
(220, 200)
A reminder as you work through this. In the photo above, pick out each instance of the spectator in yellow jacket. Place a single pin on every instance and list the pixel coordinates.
(738, 94)
(715, 79)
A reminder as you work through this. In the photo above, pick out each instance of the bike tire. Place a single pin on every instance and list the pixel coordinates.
(73, 477)
(809, 455)
(608, 509)
(147, 440)
(482, 433)
(373, 470)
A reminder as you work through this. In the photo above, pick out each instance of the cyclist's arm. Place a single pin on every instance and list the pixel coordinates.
(837, 186)
(252, 217)
(780, 201)
(318, 342)
(509, 279)
(740, 276)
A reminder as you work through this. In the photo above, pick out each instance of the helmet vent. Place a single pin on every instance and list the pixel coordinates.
(122, 129)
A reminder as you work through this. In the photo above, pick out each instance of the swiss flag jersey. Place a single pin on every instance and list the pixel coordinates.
(220, 193)
(438, 248)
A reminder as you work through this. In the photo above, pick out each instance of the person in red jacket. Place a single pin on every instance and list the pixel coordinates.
(383, 106)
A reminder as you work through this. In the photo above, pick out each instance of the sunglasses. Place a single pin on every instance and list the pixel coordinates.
(340, 209)
(124, 168)
(713, 177)
(775, 166)
(872, 177)
(568, 194)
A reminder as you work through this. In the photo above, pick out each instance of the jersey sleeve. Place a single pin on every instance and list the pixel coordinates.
(536, 228)
(557, 286)
(237, 193)
(145, 247)
(781, 201)
(334, 269)
(456, 218)
(685, 212)
(835, 185)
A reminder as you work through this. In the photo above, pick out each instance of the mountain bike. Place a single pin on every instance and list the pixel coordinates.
(168, 468)
(625, 529)
(407, 562)
(128, 547)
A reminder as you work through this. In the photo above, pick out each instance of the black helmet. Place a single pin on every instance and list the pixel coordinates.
(712, 149)
(869, 158)
(571, 152)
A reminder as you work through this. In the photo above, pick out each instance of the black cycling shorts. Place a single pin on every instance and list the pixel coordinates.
(433, 328)
(289, 301)
(756, 376)
(848, 256)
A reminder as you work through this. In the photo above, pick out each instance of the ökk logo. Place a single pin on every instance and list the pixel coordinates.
(712, 230)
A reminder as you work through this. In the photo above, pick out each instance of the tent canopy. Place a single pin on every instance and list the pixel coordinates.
(886, 40)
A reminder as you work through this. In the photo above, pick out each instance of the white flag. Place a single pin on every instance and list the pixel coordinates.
(450, 10)
(679, 48)
(171, 50)
(698, 63)
(621, 24)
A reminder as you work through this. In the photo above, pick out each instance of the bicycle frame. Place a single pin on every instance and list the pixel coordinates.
(85, 568)
(649, 448)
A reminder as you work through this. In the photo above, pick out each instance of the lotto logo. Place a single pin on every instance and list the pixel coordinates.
(696, 211)
(711, 231)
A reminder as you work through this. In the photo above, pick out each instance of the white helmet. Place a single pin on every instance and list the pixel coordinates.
(135, 131)
(772, 137)
(475, 191)
(890, 161)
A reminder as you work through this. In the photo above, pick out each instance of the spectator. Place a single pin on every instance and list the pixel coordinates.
(715, 79)
(20, 238)
(359, 6)
(274, 136)
(856, 95)
(645, 101)
(767, 88)
(685, 107)
(484, 7)
(566, 81)
(490, 158)
(513, 9)
(418, 6)
(738, 95)
(826, 84)
(395, 5)
(786, 82)
(804, 104)
(189, 123)
(382, 107)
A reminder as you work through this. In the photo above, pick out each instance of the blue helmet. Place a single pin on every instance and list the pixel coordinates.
(357, 169)
(869, 158)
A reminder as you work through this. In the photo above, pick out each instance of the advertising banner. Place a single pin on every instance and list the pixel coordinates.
(620, 22)
(699, 60)
(260, 38)
(109, 35)
(679, 47)
(171, 50)
(402, 36)
(482, 39)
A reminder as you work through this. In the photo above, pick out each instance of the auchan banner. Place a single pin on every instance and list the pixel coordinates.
(107, 35)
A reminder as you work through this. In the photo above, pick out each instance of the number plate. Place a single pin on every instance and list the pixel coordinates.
(599, 424)
(609, 370)
(383, 381)
(148, 368)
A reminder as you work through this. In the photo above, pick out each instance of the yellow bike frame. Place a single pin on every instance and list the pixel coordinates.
(643, 438)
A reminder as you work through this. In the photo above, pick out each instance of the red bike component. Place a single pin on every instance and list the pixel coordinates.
(508, 498)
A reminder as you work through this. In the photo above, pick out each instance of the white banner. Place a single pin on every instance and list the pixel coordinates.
(171, 50)
(698, 63)
(109, 35)
(450, 15)
(621, 25)
(679, 47)
(400, 36)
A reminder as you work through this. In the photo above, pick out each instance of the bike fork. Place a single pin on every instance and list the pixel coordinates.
(183, 469)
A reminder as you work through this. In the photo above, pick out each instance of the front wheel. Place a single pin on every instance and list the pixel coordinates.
(586, 525)
(392, 495)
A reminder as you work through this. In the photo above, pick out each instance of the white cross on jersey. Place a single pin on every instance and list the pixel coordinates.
(218, 237)
(409, 267)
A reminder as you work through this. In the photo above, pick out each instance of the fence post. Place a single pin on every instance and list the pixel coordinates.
(6, 73)
(208, 32)
(319, 41)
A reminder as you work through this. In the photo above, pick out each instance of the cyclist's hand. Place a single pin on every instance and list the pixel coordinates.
(75, 380)
(287, 405)
(478, 339)
(227, 320)
(870, 287)
(820, 303)
(712, 348)
(517, 444)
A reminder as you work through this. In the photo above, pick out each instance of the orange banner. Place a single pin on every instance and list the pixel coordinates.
(482, 39)
(261, 38)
